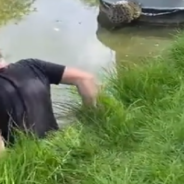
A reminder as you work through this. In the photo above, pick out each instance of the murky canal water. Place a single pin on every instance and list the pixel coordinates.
(66, 31)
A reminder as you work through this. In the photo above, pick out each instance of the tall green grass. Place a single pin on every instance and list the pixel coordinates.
(135, 135)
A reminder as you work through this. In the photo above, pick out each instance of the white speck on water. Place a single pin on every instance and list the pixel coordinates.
(56, 29)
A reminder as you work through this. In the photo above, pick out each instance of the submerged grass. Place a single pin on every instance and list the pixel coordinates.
(134, 136)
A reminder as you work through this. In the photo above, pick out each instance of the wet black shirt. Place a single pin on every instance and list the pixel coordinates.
(25, 100)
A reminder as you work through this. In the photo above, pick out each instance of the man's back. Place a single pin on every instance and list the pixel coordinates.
(25, 96)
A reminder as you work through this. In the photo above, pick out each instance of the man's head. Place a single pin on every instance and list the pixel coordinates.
(3, 63)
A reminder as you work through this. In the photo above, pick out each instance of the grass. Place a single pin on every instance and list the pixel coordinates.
(134, 136)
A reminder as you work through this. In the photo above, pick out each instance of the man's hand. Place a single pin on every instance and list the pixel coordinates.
(85, 83)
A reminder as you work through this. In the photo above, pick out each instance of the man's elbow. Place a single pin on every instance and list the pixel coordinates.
(85, 83)
(74, 76)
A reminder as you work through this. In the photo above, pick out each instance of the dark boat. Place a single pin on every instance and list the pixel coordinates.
(153, 12)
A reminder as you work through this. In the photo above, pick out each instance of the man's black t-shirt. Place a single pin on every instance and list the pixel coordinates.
(25, 100)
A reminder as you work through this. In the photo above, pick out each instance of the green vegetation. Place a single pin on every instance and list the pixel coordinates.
(14, 9)
(91, 2)
(134, 136)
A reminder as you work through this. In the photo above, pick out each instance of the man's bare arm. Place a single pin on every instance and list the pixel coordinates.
(58, 73)
(85, 83)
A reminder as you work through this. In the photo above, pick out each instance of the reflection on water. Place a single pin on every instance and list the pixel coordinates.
(15, 9)
(66, 32)
(90, 2)
(131, 43)
(60, 31)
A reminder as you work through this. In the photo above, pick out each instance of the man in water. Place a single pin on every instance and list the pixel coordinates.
(25, 101)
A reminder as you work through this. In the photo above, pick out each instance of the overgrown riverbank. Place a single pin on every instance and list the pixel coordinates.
(134, 136)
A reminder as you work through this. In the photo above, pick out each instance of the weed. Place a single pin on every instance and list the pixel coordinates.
(134, 135)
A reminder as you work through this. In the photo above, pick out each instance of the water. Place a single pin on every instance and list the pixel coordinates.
(66, 32)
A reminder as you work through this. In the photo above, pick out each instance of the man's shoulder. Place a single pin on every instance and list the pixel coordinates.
(27, 68)
(28, 61)
(31, 63)
(52, 71)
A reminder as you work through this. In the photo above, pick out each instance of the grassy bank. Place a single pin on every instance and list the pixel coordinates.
(134, 136)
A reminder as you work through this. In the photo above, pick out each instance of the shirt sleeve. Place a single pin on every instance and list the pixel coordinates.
(52, 71)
